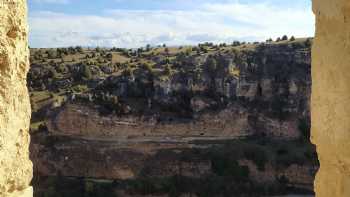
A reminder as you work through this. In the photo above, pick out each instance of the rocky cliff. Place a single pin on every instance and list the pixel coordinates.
(241, 167)
(16, 169)
(233, 116)
(263, 90)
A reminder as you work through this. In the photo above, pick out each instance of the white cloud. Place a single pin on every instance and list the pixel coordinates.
(134, 28)
(268, 20)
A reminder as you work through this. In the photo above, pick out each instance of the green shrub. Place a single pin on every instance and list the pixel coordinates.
(86, 72)
(53, 73)
(167, 70)
(211, 65)
(257, 155)
(127, 72)
(50, 192)
(277, 106)
(51, 54)
(224, 166)
(308, 42)
(61, 68)
(289, 159)
(304, 128)
(109, 56)
(236, 43)
(88, 189)
(79, 49)
(143, 186)
(147, 67)
(282, 151)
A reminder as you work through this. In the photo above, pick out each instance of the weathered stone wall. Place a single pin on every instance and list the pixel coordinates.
(15, 166)
(331, 96)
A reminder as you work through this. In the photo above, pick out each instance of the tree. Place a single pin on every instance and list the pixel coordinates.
(278, 39)
(139, 50)
(167, 61)
(100, 60)
(292, 38)
(236, 43)
(51, 54)
(128, 72)
(109, 56)
(198, 50)
(285, 37)
(38, 56)
(148, 47)
(211, 64)
(204, 49)
(304, 128)
(308, 42)
(188, 51)
(53, 73)
(79, 49)
(166, 50)
(269, 40)
(71, 50)
(167, 70)
(87, 72)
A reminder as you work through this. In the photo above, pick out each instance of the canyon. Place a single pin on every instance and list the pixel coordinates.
(235, 118)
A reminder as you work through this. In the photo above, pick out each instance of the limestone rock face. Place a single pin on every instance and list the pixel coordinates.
(16, 168)
(331, 96)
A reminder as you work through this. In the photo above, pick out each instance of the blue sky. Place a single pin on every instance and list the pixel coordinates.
(135, 23)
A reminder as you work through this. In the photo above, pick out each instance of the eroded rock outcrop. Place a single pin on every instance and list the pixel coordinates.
(262, 91)
(239, 166)
(331, 96)
(16, 168)
(236, 120)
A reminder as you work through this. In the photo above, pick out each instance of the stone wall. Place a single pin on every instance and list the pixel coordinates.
(331, 96)
(16, 168)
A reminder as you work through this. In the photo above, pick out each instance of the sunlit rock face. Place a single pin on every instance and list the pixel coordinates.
(15, 166)
(331, 96)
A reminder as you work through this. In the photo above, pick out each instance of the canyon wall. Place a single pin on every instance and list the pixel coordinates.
(269, 97)
(240, 127)
(16, 168)
(331, 97)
